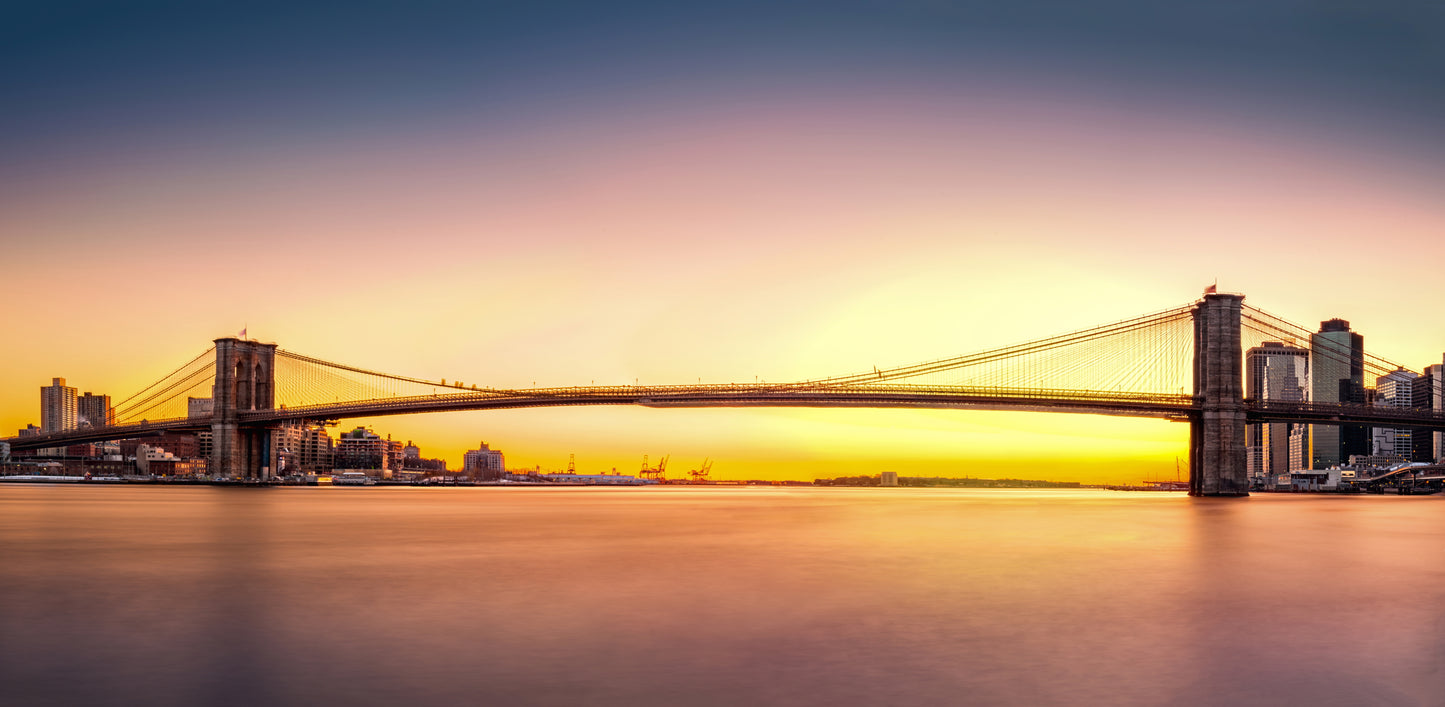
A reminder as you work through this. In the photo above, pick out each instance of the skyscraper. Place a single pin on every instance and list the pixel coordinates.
(1424, 392)
(1428, 391)
(94, 410)
(57, 411)
(1394, 390)
(1337, 375)
(57, 407)
(1273, 371)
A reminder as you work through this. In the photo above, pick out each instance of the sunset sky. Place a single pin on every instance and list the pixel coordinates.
(563, 193)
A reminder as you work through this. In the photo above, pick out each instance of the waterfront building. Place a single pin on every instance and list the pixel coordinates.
(395, 454)
(305, 448)
(1299, 448)
(108, 451)
(1435, 392)
(363, 450)
(1422, 394)
(81, 451)
(597, 479)
(94, 411)
(157, 461)
(410, 452)
(4, 452)
(1394, 390)
(1368, 465)
(1274, 371)
(57, 411)
(484, 463)
(1337, 375)
(57, 407)
(184, 446)
(201, 409)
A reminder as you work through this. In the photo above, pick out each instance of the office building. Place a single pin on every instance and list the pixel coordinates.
(1435, 391)
(1273, 372)
(1337, 375)
(1423, 393)
(1394, 390)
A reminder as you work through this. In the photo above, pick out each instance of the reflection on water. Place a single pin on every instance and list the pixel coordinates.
(716, 596)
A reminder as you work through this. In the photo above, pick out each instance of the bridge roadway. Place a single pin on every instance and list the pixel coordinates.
(1175, 407)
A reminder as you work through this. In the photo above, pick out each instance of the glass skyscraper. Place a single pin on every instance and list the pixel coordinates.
(1273, 371)
(1337, 375)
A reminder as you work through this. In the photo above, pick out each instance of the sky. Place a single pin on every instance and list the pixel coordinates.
(560, 193)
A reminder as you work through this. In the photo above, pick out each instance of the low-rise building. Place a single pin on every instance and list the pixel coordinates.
(361, 450)
(604, 479)
(484, 463)
(156, 461)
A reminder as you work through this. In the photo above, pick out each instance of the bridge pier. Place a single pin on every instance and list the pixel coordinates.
(245, 380)
(1217, 458)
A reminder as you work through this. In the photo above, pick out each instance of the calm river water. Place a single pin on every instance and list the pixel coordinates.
(716, 596)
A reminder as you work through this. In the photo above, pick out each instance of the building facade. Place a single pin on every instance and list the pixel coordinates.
(57, 407)
(1337, 375)
(1434, 391)
(361, 449)
(57, 412)
(1394, 390)
(94, 411)
(305, 448)
(1274, 372)
(484, 463)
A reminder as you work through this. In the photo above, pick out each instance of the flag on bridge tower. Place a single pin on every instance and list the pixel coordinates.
(1211, 289)
(243, 333)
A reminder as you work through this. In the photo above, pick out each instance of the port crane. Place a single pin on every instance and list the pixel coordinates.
(699, 475)
(650, 473)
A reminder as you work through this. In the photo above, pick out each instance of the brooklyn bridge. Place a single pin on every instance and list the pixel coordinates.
(1183, 364)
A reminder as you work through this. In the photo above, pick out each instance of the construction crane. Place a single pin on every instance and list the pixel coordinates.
(655, 474)
(700, 475)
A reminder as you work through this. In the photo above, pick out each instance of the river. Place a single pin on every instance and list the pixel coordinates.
(124, 595)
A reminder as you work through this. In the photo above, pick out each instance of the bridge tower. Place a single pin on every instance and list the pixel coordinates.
(1217, 459)
(245, 380)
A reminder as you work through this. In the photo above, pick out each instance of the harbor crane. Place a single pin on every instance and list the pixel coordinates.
(655, 474)
(700, 475)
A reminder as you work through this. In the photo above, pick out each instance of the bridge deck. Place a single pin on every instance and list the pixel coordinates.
(788, 395)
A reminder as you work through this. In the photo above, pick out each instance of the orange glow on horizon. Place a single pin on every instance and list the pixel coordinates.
(797, 240)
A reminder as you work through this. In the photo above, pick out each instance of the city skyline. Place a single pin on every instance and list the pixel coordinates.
(632, 194)
(1334, 367)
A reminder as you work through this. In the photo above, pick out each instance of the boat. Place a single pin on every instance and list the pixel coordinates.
(352, 478)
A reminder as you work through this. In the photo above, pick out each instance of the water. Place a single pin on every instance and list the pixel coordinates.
(716, 596)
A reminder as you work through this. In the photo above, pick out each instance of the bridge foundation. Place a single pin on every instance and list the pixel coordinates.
(1217, 458)
(245, 380)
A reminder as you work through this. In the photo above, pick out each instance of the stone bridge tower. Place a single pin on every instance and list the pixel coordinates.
(245, 380)
(1217, 459)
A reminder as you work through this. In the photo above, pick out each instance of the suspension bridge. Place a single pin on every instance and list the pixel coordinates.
(1183, 364)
